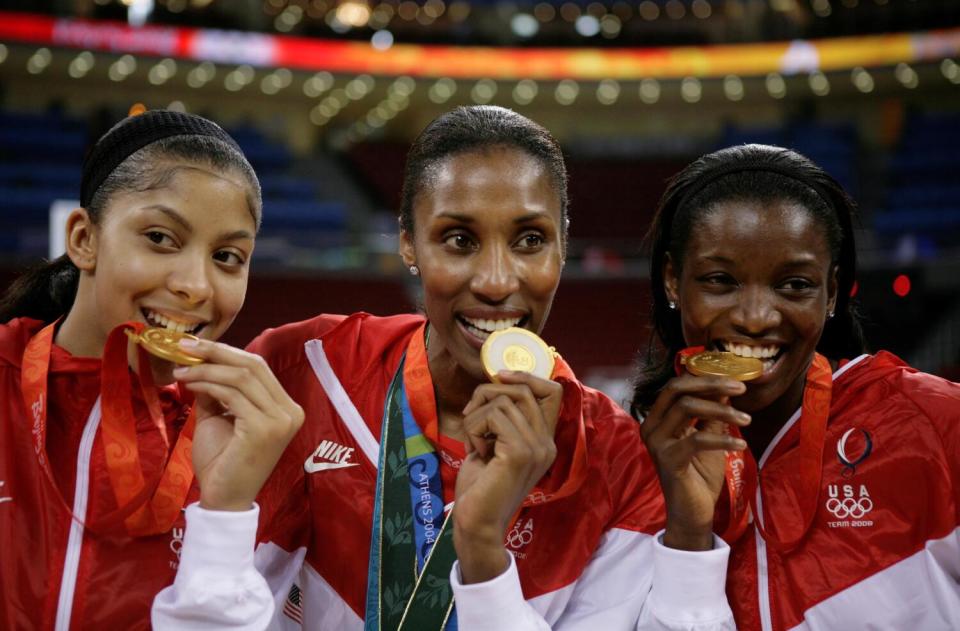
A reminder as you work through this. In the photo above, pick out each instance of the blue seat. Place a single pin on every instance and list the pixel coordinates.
(29, 205)
(281, 215)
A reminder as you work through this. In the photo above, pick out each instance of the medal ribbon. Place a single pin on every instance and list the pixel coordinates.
(426, 486)
(145, 509)
(408, 584)
(742, 474)
(735, 478)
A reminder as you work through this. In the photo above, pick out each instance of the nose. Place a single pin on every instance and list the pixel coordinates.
(756, 311)
(190, 279)
(495, 277)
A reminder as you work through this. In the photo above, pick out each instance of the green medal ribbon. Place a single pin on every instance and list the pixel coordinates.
(398, 597)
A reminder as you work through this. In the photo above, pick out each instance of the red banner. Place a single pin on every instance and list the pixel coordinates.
(462, 62)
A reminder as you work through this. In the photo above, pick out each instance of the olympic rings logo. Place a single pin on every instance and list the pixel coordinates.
(539, 497)
(850, 507)
(518, 538)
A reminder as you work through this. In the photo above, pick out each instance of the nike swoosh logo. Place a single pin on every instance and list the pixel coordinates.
(313, 467)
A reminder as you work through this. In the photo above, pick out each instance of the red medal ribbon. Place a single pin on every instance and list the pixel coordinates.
(423, 404)
(742, 474)
(145, 509)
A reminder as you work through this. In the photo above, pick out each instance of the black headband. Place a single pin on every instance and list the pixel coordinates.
(132, 134)
(753, 166)
(833, 202)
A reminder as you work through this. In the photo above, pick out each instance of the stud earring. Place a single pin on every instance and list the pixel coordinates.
(414, 270)
(829, 314)
(672, 305)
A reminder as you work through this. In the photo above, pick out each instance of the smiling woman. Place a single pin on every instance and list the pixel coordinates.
(489, 255)
(843, 495)
(523, 504)
(94, 477)
(157, 262)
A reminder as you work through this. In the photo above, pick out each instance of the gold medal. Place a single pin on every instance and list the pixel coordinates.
(164, 344)
(517, 349)
(724, 364)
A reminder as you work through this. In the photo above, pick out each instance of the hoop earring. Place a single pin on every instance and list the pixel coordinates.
(414, 270)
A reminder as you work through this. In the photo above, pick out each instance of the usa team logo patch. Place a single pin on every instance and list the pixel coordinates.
(851, 504)
(854, 447)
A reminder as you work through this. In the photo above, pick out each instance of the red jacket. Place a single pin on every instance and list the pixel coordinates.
(620, 490)
(53, 573)
(883, 551)
(589, 560)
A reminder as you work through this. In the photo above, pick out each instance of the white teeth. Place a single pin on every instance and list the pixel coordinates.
(744, 350)
(170, 324)
(489, 326)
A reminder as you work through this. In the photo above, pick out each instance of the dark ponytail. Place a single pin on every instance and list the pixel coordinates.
(43, 292)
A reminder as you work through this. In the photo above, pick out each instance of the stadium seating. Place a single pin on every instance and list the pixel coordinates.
(40, 158)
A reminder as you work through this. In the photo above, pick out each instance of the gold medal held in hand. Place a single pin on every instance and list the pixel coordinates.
(724, 364)
(165, 344)
(517, 349)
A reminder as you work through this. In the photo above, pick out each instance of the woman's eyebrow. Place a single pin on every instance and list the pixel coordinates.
(172, 214)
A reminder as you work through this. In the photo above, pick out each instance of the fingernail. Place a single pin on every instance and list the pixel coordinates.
(744, 417)
(188, 342)
(739, 444)
(180, 371)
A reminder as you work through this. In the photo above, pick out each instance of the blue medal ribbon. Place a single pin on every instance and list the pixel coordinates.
(409, 496)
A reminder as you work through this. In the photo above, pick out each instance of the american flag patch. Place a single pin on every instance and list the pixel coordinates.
(293, 607)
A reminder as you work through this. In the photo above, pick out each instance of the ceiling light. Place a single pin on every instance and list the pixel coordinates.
(483, 91)
(649, 91)
(608, 91)
(525, 91)
(566, 92)
(690, 90)
(776, 86)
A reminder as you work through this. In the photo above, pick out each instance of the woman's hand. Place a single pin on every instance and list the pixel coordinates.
(245, 419)
(686, 434)
(510, 445)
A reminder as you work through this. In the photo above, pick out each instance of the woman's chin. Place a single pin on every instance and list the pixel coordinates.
(752, 401)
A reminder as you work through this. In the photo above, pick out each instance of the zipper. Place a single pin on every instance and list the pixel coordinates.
(71, 561)
(763, 581)
(763, 568)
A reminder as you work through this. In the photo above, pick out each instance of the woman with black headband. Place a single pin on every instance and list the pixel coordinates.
(95, 436)
(841, 505)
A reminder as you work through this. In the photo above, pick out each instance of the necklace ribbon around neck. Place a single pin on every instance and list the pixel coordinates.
(144, 508)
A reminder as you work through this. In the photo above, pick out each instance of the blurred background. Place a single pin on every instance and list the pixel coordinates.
(326, 95)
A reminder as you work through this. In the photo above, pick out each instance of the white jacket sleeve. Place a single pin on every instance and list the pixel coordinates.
(632, 582)
(217, 585)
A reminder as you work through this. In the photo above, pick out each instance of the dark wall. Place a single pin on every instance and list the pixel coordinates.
(594, 322)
